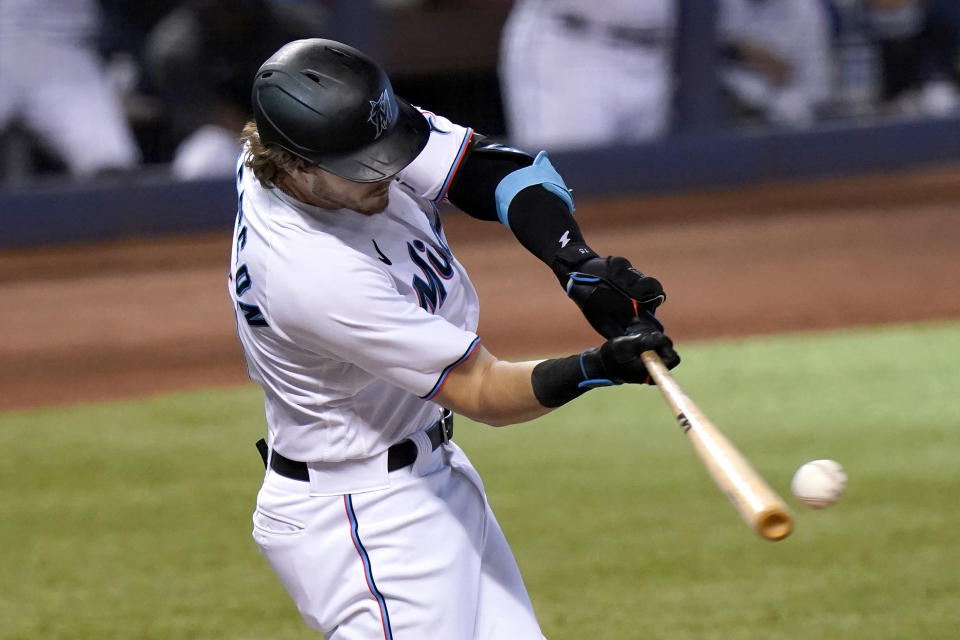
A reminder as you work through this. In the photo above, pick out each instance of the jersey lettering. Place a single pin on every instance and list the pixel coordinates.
(442, 265)
(436, 225)
(242, 228)
(430, 292)
(242, 280)
(252, 314)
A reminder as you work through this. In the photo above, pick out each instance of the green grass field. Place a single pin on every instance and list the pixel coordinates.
(132, 519)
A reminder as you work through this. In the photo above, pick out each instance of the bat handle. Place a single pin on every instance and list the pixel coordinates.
(675, 396)
(654, 365)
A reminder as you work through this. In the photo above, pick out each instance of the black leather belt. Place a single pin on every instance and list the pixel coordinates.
(399, 455)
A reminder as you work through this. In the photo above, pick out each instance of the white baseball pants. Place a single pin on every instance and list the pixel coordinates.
(424, 558)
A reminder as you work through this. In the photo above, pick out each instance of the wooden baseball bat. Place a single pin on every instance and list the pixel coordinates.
(758, 504)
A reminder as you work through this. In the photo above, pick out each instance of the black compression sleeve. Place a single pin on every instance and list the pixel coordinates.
(473, 187)
(545, 227)
(539, 219)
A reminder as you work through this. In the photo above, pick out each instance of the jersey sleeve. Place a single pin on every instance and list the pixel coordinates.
(430, 174)
(359, 317)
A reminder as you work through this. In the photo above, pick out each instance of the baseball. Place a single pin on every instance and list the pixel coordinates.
(819, 483)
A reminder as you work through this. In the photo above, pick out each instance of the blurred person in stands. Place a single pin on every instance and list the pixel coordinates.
(919, 43)
(124, 31)
(577, 74)
(201, 57)
(775, 65)
(53, 85)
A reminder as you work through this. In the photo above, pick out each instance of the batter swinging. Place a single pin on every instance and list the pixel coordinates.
(359, 324)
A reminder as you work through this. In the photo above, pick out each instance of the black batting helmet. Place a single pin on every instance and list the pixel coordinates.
(333, 106)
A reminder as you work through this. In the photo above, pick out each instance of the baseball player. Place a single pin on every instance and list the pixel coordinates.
(577, 74)
(772, 72)
(53, 83)
(360, 325)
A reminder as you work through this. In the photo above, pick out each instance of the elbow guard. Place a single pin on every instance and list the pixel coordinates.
(542, 173)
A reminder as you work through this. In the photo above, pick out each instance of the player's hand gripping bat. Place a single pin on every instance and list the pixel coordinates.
(751, 496)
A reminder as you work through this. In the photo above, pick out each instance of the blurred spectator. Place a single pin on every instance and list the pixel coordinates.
(776, 64)
(202, 57)
(919, 43)
(53, 85)
(125, 28)
(578, 74)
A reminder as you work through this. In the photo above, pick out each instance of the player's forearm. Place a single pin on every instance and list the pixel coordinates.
(527, 196)
(545, 227)
(498, 392)
(535, 204)
(507, 395)
(492, 391)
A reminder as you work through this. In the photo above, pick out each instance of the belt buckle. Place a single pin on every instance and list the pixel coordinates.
(446, 425)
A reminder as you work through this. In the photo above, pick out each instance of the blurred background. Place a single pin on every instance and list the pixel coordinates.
(106, 88)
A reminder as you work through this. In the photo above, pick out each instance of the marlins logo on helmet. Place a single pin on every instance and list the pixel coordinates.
(380, 113)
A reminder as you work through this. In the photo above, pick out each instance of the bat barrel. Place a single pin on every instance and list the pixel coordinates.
(774, 524)
(759, 505)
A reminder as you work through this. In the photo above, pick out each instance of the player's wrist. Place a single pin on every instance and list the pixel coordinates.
(569, 259)
(559, 380)
(543, 224)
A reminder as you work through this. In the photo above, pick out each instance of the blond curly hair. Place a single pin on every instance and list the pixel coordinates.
(270, 164)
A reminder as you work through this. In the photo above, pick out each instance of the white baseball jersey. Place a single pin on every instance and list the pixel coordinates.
(351, 322)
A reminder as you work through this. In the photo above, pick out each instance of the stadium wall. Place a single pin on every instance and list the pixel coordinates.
(51, 214)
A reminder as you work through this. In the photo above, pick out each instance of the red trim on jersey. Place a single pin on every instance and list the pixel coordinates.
(456, 166)
(443, 376)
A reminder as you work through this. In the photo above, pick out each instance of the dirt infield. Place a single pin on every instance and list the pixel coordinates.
(142, 317)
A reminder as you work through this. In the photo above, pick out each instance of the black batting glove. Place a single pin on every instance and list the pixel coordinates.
(618, 359)
(610, 292)
(559, 380)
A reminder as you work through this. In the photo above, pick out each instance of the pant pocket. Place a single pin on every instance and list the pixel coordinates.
(275, 524)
